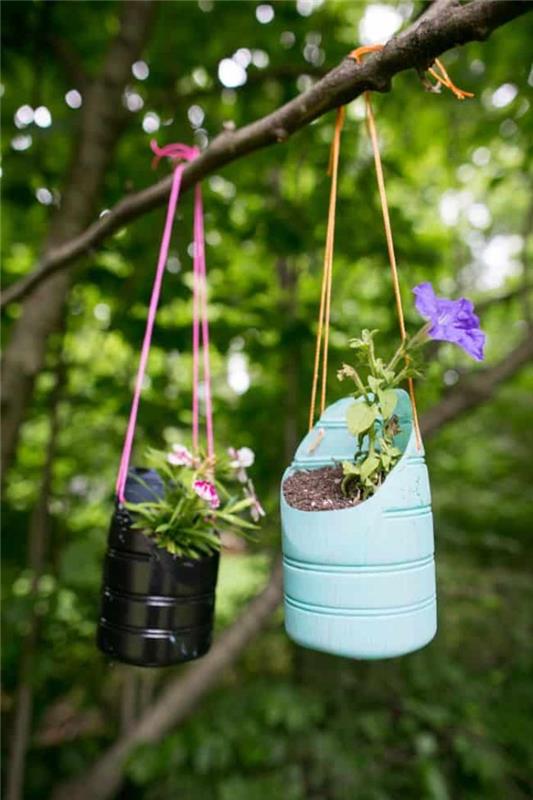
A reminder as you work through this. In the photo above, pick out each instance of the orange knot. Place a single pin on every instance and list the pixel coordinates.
(444, 80)
(441, 76)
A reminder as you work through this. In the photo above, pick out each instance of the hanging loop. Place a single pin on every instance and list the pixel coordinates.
(443, 79)
(179, 153)
(322, 337)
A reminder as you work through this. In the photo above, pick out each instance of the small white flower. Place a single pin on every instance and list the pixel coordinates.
(240, 460)
(256, 509)
(181, 457)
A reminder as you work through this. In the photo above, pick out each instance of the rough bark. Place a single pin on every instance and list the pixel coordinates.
(444, 25)
(101, 124)
(183, 693)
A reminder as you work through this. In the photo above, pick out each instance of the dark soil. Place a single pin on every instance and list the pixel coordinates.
(317, 490)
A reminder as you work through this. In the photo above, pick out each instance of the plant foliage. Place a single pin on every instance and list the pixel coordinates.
(198, 504)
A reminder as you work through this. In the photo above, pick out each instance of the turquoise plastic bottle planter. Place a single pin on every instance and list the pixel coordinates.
(360, 582)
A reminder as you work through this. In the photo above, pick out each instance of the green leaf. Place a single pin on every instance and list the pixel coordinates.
(369, 466)
(237, 521)
(374, 383)
(349, 468)
(387, 402)
(240, 505)
(360, 418)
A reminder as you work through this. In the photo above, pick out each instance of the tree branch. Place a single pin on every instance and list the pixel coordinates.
(183, 693)
(513, 294)
(476, 388)
(445, 25)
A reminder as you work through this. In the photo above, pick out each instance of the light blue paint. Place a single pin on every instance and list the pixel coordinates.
(360, 582)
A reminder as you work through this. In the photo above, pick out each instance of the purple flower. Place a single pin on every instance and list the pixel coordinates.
(451, 320)
(207, 492)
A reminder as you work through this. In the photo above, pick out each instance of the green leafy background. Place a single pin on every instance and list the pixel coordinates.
(452, 721)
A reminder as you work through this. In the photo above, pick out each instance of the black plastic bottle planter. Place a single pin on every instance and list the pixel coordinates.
(157, 609)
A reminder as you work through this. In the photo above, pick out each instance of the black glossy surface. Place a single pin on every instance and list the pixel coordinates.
(156, 609)
(156, 612)
(159, 573)
(153, 648)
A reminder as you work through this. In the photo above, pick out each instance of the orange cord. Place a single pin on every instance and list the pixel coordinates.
(444, 80)
(390, 248)
(322, 337)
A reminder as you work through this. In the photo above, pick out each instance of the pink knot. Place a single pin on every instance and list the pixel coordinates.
(177, 151)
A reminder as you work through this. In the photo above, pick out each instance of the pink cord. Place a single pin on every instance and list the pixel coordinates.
(199, 250)
(184, 153)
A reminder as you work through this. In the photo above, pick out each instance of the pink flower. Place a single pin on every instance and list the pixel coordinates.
(207, 492)
(240, 460)
(181, 457)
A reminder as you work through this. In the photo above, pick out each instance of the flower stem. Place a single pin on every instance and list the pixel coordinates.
(400, 376)
(396, 357)
(420, 337)
(371, 440)
(372, 358)
(358, 382)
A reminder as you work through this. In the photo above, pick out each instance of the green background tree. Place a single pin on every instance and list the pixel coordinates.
(451, 721)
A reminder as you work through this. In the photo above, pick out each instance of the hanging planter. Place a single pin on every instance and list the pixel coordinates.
(357, 525)
(157, 608)
(161, 565)
(360, 581)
